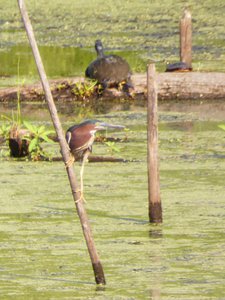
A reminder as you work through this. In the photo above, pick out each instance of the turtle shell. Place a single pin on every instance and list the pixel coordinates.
(109, 70)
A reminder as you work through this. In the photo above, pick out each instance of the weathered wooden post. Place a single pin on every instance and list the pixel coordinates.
(96, 264)
(186, 38)
(155, 207)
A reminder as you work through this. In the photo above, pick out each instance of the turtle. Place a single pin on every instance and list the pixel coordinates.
(178, 67)
(109, 70)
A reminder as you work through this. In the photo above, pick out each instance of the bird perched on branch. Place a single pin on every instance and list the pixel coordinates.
(80, 139)
(109, 70)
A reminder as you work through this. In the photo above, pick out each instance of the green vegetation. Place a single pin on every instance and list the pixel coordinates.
(27, 138)
(86, 89)
(20, 130)
(113, 147)
(222, 126)
(37, 135)
(140, 31)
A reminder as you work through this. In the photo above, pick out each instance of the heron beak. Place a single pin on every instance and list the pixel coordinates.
(102, 126)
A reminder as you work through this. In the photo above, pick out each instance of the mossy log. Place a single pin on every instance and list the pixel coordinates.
(176, 85)
(186, 85)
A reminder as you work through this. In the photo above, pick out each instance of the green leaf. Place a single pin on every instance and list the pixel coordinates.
(33, 145)
(29, 126)
(47, 139)
(41, 130)
(222, 126)
(6, 118)
(47, 132)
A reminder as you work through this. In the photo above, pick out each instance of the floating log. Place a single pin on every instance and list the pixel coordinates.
(186, 86)
(93, 158)
(180, 86)
(96, 159)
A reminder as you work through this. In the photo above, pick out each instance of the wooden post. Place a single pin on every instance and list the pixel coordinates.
(155, 208)
(96, 264)
(186, 38)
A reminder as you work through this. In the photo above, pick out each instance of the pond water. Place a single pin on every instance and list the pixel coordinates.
(139, 31)
(42, 251)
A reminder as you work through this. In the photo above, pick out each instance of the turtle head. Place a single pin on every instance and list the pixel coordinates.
(99, 48)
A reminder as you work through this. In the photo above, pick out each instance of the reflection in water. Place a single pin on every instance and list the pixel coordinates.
(184, 126)
(86, 108)
(156, 233)
(71, 61)
(78, 109)
(155, 294)
(100, 288)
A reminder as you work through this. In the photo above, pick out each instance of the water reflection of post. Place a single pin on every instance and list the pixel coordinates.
(155, 294)
(155, 234)
(155, 208)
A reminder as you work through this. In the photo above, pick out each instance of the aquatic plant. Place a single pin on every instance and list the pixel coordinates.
(86, 89)
(22, 137)
(112, 147)
(4, 131)
(36, 136)
(25, 139)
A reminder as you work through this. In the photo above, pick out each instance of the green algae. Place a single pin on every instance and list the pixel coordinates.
(43, 253)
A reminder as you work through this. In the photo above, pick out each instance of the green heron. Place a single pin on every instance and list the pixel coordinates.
(80, 139)
(109, 70)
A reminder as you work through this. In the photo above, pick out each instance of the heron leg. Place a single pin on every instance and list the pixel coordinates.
(82, 176)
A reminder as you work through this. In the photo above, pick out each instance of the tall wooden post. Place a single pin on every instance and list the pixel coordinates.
(186, 38)
(96, 264)
(155, 207)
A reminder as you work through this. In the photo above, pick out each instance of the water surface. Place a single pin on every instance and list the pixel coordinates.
(42, 251)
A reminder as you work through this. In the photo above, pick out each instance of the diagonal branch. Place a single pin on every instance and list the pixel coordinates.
(96, 264)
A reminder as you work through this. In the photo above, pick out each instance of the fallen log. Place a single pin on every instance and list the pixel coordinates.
(96, 159)
(187, 85)
(93, 158)
(171, 86)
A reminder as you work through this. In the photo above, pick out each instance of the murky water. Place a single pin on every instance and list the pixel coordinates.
(43, 253)
(18, 62)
